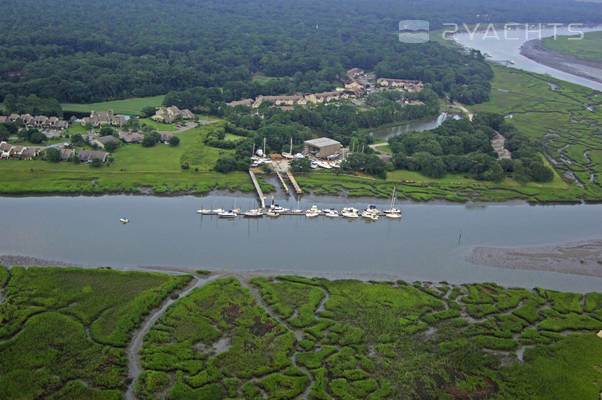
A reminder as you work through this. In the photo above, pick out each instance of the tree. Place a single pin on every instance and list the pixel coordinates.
(37, 137)
(4, 133)
(226, 164)
(300, 165)
(174, 141)
(149, 141)
(147, 112)
(112, 146)
(77, 140)
(53, 155)
(540, 173)
(107, 131)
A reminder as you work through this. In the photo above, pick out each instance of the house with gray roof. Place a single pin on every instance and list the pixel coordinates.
(88, 155)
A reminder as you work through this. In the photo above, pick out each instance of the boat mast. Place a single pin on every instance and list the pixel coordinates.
(291, 149)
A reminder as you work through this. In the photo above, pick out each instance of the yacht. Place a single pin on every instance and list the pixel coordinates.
(272, 213)
(350, 213)
(278, 209)
(124, 220)
(332, 213)
(204, 211)
(227, 214)
(315, 209)
(254, 213)
(371, 215)
(312, 213)
(393, 212)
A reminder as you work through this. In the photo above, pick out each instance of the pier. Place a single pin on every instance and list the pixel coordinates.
(282, 182)
(258, 189)
(294, 182)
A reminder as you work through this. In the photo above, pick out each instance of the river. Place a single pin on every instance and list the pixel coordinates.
(386, 132)
(504, 48)
(430, 242)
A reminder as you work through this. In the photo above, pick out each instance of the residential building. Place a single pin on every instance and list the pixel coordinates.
(168, 115)
(101, 141)
(98, 119)
(132, 137)
(166, 136)
(88, 156)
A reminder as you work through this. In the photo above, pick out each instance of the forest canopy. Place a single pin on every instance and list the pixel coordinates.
(91, 51)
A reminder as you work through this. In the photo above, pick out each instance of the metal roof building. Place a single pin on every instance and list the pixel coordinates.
(322, 147)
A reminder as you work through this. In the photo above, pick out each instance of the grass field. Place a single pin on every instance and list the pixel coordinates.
(354, 340)
(588, 48)
(63, 331)
(128, 106)
(134, 167)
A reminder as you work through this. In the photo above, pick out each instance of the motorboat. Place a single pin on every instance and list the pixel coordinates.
(332, 213)
(272, 213)
(371, 215)
(351, 210)
(372, 208)
(315, 209)
(350, 213)
(204, 211)
(227, 214)
(312, 213)
(393, 215)
(124, 220)
(254, 213)
(278, 209)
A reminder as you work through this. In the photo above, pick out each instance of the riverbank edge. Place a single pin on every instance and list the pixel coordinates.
(238, 193)
(535, 50)
(480, 260)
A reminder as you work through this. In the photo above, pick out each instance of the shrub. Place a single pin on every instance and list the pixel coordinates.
(174, 141)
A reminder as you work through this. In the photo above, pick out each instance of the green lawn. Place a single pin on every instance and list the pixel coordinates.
(133, 167)
(128, 106)
(588, 48)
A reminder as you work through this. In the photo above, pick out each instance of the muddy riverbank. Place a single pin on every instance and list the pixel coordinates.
(534, 50)
(581, 258)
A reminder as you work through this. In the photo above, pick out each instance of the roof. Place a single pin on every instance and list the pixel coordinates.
(107, 139)
(86, 155)
(322, 142)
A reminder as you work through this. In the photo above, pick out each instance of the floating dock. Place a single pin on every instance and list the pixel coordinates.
(258, 189)
(294, 182)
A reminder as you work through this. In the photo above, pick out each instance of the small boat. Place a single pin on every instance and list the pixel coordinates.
(227, 214)
(393, 212)
(370, 215)
(372, 208)
(350, 214)
(311, 213)
(124, 220)
(218, 210)
(278, 209)
(204, 211)
(272, 213)
(332, 213)
(254, 213)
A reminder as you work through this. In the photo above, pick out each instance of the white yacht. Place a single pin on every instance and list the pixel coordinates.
(350, 213)
(254, 213)
(332, 213)
(272, 213)
(312, 213)
(227, 214)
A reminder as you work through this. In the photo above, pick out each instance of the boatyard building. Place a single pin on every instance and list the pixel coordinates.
(322, 147)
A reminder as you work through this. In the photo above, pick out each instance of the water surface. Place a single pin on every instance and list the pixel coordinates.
(429, 243)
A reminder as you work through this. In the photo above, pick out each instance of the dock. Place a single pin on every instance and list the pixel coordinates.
(258, 189)
(294, 182)
(282, 182)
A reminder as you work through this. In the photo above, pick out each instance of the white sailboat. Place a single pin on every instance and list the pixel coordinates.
(393, 212)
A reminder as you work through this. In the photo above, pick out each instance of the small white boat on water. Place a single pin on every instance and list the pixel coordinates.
(312, 213)
(218, 210)
(272, 213)
(204, 211)
(254, 213)
(370, 215)
(332, 213)
(227, 214)
(350, 213)
(124, 220)
(393, 212)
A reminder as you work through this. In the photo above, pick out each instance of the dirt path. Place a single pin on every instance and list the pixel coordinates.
(133, 350)
(461, 107)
